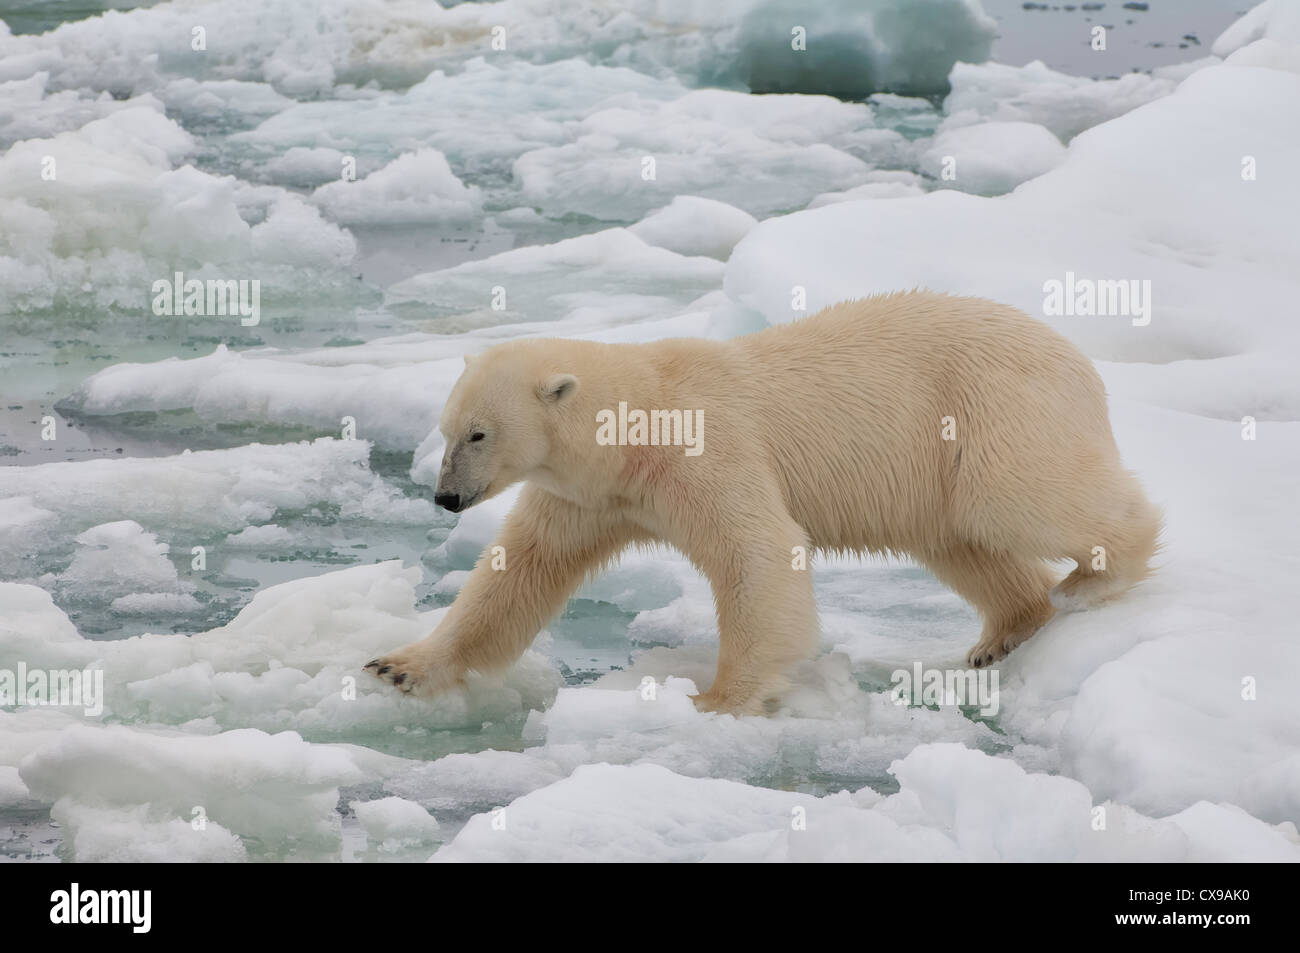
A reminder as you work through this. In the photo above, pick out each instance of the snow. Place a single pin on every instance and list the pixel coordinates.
(826, 725)
(304, 166)
(1067, 105)
(879, 185)
(548, 282)
(851, 46)
(481, 118)
(117, 212)
(992, 157)
(222, 100)
(29, 111)
(1266, 53)
(415, 187)
(694, 227)
(462, 783)
(142, 834)
(739, 149)
(1151, 158)
(289, 660)
(119, 558)
(1274, 20)
(393, 398)
(225, 490)
(395, 822)
(954, 804)
(272, 787)
(286, 664)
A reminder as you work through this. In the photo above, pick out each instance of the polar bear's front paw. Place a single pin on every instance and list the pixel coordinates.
(995, 647)
(706, 702)
(728, 704)
(416, 669)
(985, 653)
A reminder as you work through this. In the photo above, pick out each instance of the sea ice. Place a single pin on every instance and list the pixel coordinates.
(990, 158)
(415, 187)
(693, 226)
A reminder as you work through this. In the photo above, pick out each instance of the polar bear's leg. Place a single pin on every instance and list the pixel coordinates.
(767, 616)
(548, 546)
(1009, 591)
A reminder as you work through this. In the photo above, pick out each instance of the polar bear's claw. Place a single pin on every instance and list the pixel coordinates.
(390, 672)
(983, 654)
(416, 669)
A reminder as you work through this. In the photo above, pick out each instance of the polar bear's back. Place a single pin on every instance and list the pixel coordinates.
(922, 413)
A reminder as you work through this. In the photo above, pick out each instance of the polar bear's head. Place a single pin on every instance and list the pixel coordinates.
(499, 421)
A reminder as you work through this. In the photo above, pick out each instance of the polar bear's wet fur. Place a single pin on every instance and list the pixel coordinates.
(956, 431)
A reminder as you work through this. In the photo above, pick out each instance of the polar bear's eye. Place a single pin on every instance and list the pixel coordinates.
(476, 436)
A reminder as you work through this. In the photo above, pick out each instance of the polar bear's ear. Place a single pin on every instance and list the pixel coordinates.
(468, 359)
(558, 388)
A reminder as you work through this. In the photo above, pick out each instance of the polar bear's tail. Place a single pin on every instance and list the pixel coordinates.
(1118, 558)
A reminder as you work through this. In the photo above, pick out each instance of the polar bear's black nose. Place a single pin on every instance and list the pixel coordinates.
(448, 501)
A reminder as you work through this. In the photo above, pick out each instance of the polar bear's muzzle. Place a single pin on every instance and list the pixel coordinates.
(458, 487)
(448, 501)
(455, 502)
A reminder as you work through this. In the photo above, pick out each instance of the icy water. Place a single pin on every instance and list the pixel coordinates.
(1139, 36)
(523, 171)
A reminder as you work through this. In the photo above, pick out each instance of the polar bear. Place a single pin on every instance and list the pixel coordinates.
(957, 431)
